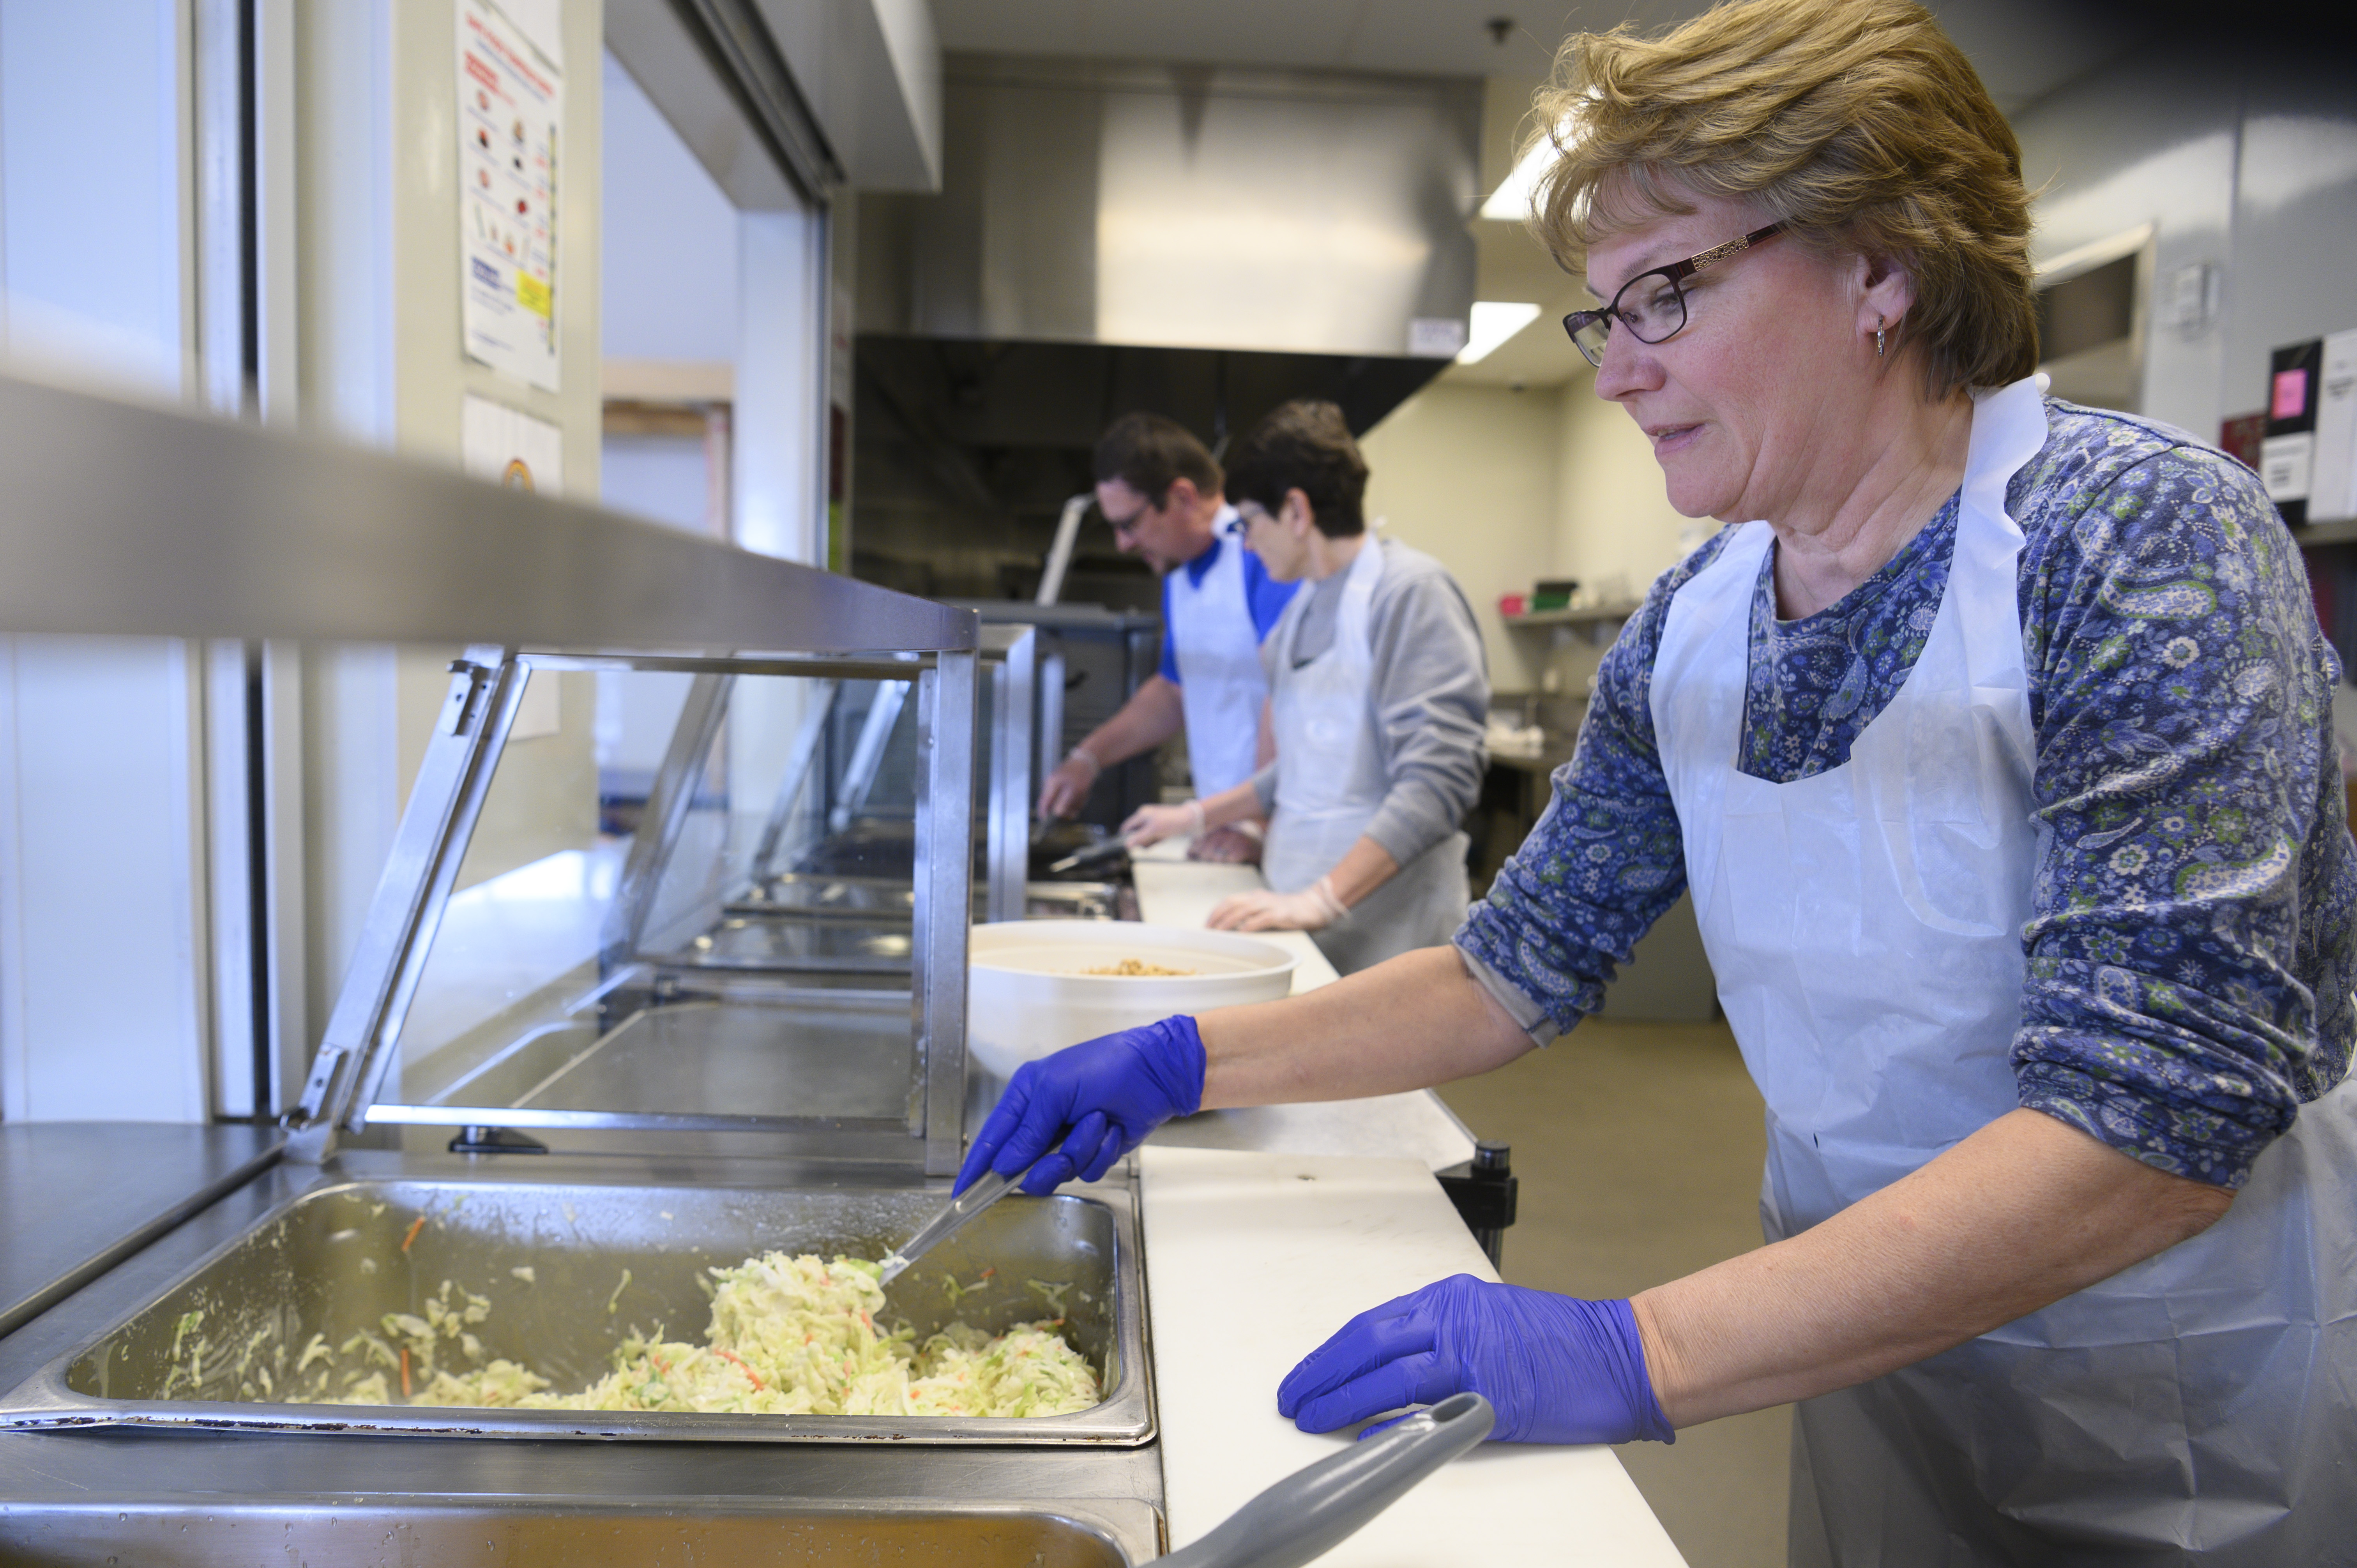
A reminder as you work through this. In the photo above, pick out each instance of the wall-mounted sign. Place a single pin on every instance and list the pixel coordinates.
(510, 102)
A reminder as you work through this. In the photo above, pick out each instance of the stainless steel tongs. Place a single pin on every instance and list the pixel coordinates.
(961, 1212)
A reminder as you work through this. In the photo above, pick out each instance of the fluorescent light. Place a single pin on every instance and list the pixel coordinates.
(1510, 202)
(1495, 321)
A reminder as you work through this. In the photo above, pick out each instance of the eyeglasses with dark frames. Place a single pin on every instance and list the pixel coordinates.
(1129, 524)
(1651, 304)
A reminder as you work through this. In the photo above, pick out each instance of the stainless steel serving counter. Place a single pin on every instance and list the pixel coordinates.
(77, 1197)
(77, 1495)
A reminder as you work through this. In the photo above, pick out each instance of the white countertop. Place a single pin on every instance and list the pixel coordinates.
(1266, 1229)
(1252, 1261)
(1175, 891)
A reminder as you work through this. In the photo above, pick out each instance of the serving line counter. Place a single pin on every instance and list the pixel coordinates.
(133, 1427)
(1312, 1214)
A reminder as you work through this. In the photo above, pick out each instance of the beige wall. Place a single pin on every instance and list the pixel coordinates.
(1508, 486)
(1467, 474)
(1614, 528)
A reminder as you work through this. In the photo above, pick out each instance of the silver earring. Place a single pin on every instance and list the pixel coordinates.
(1878, 338)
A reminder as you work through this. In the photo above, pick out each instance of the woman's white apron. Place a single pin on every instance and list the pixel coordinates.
(1330, 781)
(1865, 928)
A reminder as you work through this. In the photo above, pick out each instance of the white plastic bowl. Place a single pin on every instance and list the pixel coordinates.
(1029, 994)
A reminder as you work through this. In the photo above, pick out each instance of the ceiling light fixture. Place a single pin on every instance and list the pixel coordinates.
(1510, 202)
(1495, 321)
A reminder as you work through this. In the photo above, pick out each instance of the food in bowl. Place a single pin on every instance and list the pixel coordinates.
(1035, 986)
(1136, 966)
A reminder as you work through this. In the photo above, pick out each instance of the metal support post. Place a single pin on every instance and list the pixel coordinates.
(1014, 689)
(944, 867)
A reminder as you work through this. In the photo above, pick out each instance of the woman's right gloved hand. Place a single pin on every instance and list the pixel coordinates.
(1152, 824)
(1088, 1104)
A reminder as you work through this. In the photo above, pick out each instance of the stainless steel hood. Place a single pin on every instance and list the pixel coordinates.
(1185, 207)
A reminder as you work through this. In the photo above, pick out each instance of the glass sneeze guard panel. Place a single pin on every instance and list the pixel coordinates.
(588, 942)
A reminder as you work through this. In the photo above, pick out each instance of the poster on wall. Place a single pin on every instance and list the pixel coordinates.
(512, 449)
(510, 102)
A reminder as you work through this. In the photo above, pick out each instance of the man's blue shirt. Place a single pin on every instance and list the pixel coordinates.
(1264, 596)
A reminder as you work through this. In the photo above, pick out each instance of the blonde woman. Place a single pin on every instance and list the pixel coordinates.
(1993, 741)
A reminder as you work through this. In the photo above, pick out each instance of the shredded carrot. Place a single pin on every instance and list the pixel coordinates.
(749, 1373)
(416, 1225)
(405, 1369)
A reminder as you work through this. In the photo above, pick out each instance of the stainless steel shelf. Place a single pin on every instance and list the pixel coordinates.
(136, 520)
(1591, 615)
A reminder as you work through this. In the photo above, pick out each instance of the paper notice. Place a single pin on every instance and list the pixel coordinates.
(510, 102)
(510, 448)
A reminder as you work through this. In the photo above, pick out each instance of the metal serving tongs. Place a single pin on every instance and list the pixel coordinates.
(961, 1212)
(1103, 849)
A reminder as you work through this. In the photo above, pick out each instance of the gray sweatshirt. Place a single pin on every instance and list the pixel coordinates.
(1431, 693)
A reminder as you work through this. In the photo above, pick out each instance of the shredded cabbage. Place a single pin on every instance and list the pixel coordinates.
(789, 1336)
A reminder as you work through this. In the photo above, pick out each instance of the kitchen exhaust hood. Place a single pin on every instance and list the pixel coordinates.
(1185, 207)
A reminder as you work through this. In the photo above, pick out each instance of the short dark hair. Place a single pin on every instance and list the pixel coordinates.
(1149, 454)
(1302, 445)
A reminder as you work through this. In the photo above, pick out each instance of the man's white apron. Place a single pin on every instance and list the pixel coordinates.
(1220, 685)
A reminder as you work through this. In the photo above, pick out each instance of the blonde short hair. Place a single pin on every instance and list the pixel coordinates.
(1857, 123)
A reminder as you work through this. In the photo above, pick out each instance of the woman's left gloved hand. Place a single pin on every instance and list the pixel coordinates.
(1559, 1370)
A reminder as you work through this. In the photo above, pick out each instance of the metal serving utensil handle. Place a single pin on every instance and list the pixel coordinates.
(987, 1189)
(1313, 1510)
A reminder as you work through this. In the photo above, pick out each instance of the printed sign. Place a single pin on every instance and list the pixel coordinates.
(510, 102)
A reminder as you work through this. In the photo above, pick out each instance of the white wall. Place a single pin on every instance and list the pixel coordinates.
(95, 273)
(669, 282)
(2247, 163)
(102, 939)
(671, 286)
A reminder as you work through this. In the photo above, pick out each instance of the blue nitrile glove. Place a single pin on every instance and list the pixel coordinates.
(1098, 1099)
(1559, 1370)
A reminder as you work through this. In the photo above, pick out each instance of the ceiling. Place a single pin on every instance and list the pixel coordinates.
(2023, 49)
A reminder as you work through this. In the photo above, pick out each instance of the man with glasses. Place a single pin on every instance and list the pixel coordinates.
(1162, 492)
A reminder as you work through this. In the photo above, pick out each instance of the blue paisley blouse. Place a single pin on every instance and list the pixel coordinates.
(2193, 929)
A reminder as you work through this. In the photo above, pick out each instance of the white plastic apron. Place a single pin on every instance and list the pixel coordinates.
(1865, 928)
(1331, 779)
(1220, 684)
